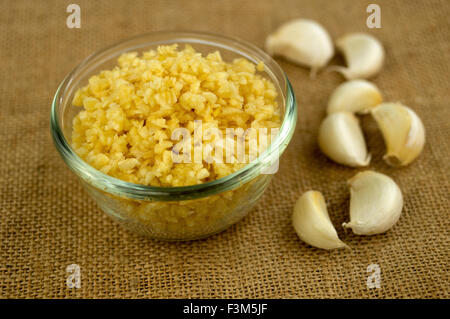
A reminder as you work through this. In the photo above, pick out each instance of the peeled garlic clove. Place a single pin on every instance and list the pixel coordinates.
(356, 96)
(402, 130)
(363, 53)
(302, 41)
(312, 223)
(375, 203)
(342, 140)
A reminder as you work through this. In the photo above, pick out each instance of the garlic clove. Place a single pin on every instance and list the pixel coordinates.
(376, 203)
(342, 140)
(402, 130)
(312, 222)
(302, 41)
(363, 53)
(356, 96)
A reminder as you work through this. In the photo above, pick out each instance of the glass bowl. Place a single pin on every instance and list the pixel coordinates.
(174, 213)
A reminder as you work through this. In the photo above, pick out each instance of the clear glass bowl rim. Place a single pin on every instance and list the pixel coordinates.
(125, 189)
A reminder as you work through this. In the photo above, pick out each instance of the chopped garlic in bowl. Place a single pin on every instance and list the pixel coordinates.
(139, 123)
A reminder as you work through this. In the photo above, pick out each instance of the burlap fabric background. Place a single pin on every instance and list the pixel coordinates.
(48, 222)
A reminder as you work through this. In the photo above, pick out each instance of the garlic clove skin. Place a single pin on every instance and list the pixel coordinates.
(356, 96)
(312, 222)
(376, 203)
(302, 41)
(363, 53)
(402, 130)
(342, 140)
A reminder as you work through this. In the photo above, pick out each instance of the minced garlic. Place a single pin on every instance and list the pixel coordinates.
(131, 111)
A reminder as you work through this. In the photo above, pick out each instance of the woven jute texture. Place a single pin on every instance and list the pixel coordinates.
(47, 222)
